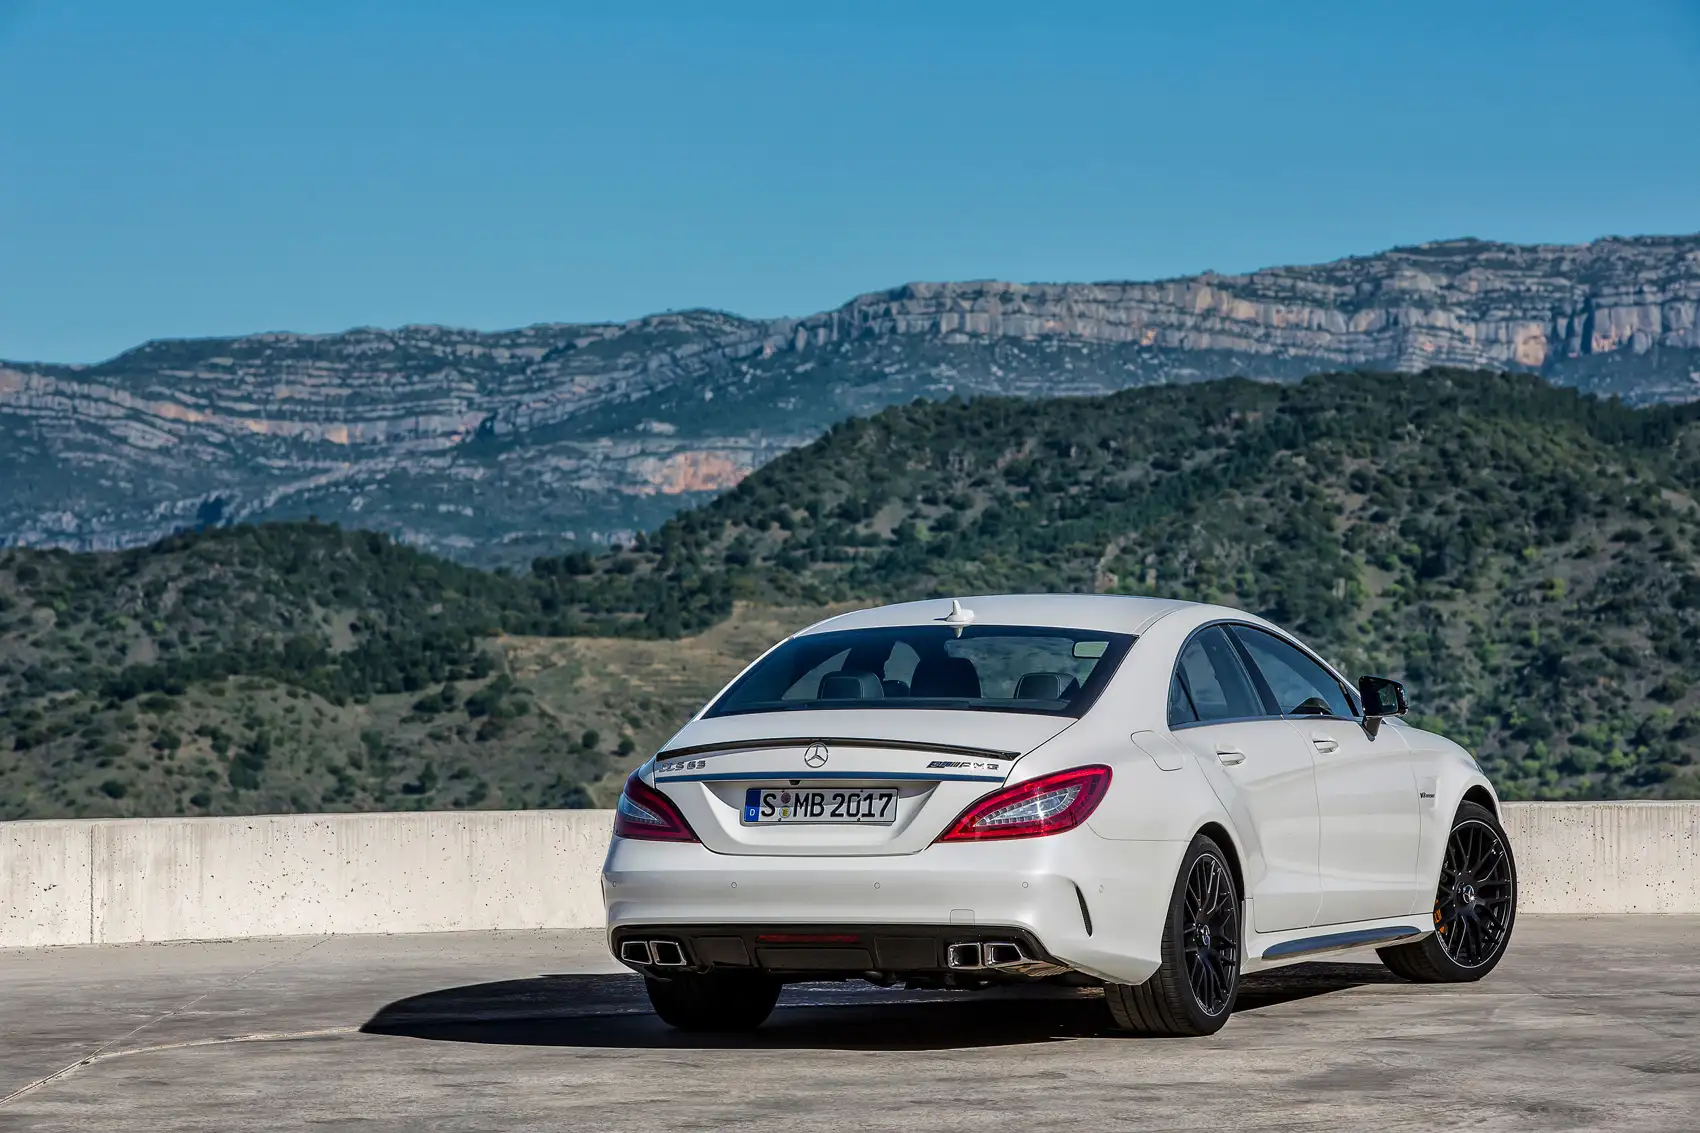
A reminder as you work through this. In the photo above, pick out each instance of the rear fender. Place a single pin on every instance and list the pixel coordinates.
(1147, 803)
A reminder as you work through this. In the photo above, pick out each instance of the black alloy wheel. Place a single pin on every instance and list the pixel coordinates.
(1472, 910)
(1475, 905)
(1193, 992)
(1212, 933)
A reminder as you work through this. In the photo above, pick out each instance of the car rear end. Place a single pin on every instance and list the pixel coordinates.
(861, 816)
(860, 865)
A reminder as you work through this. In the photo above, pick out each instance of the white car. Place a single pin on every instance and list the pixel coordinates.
(1145, 795)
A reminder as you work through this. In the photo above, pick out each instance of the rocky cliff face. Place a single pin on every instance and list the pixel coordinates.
(494, 446)
(1461, 302)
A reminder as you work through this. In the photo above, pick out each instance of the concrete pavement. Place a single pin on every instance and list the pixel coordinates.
(1588, 1024)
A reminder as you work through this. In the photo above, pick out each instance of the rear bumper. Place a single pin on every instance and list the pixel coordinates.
(1095, 905)
(822, 951)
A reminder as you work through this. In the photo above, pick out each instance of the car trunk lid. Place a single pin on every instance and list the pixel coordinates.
(917, 768)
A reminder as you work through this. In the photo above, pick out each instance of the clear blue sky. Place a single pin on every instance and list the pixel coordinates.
(211, 168)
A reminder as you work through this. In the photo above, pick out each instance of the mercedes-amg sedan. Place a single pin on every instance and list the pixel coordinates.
(1148, 796)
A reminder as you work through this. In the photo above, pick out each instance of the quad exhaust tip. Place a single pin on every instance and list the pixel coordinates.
(998, 956)
(667, 953)
(974, 955)
(966, 956)
(656, 953)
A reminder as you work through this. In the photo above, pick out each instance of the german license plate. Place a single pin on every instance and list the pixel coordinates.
(866, 806)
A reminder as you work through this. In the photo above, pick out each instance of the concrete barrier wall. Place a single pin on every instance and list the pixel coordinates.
(46, 883)
(1599, 858)
(122, 880)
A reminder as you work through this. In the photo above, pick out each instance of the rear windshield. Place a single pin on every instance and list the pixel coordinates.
(1056, 672)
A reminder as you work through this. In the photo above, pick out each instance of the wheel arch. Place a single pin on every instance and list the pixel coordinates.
(1438, 821)
(1220, 835)
(1479, 794)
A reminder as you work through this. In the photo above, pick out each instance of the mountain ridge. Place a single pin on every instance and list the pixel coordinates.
(496, 446)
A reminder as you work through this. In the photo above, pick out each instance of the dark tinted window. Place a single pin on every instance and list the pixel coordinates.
(1218, 683)
(1057, 672)
(1180, 704)
(1301, 686)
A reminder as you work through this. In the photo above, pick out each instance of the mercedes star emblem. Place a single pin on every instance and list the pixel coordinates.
(816, 755)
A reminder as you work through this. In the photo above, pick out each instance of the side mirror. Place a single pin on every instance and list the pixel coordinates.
(1382, 697)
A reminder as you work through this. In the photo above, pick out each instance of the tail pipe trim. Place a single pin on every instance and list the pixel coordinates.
(997, 956)
(653, 953)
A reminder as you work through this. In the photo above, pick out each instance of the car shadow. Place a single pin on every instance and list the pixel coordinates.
(613, 1011)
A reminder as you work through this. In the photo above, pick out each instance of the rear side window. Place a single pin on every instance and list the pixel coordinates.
(1301, 686)
(1215, 679)
(981, 668)
(1180, 704)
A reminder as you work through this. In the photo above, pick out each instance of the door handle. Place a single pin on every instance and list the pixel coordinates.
(1324, 744)
(1230, 756)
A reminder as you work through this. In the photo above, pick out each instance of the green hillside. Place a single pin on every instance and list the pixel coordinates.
(265, 669)
(1522, 556)
(298, 667)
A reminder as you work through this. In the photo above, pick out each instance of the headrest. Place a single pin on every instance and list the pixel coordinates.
(946, 676)
(1039, 686)
(851, 686)
(1046, 686)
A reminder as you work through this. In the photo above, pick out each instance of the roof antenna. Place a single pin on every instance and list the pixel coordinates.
(958, 617)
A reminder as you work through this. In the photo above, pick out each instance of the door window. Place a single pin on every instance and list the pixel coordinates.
(1301, 686)
(1215, 679)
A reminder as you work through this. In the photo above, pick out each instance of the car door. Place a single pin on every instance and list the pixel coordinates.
(1260, 769)
(1371, 823)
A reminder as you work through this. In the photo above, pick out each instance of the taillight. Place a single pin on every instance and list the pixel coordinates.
(644, 812)
(1049, 804)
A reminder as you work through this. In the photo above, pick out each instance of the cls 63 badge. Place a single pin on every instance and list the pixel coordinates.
(681, 765)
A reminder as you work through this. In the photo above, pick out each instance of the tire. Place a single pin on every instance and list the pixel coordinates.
(1475, 906)
(1193, 992)
(714, 1001)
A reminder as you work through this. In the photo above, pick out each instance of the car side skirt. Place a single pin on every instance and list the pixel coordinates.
(1265, 950)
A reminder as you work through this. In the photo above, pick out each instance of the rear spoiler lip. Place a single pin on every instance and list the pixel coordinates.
(795, 777)
(843, 741)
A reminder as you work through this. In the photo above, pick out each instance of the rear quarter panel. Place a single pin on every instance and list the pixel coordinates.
(1147, 802)
(1144, 802)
